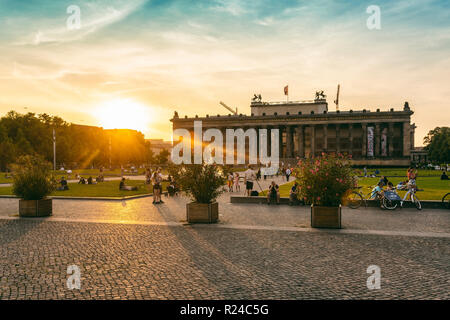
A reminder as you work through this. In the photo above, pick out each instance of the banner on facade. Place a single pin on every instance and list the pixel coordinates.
(384, 143)
(370, 141)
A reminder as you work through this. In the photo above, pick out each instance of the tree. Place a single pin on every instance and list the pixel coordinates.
(163, 157)
(437, 143)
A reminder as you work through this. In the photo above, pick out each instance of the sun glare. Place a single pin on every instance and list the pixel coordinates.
(124, 114)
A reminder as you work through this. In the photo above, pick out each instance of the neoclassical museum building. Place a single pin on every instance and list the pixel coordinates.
(372, 137)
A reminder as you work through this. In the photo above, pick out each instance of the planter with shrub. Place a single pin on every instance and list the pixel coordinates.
(203, 183)
(33, 182)
(324, 181)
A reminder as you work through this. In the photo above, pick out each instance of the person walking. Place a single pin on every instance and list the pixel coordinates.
(250, 176)
(288, 174)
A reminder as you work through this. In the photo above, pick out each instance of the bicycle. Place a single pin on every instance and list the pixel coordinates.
(446, 201)
(413, 197)
(355, 199)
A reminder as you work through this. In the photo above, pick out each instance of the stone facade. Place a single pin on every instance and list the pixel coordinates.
(308, 128)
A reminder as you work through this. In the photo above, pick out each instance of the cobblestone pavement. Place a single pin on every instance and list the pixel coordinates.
(122, 261)
(174, 210)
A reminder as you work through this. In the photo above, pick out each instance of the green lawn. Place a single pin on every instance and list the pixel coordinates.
(389, 172)
(103, 189)
(434, 188)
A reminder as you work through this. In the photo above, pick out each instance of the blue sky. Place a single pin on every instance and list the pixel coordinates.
(189, 55)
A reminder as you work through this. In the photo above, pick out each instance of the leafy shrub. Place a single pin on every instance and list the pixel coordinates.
(325, 180)
(202, 182)
(32, 178)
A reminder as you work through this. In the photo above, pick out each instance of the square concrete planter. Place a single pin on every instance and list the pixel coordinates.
(202, 212)
(35, 208)
(326, 217)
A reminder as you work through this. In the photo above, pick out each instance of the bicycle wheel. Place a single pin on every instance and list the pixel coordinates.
(416, 202)
(389, 204)
(354, 200)
(446, 201)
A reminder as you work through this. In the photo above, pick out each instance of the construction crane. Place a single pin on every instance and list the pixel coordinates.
(337, 98)
(228, 108)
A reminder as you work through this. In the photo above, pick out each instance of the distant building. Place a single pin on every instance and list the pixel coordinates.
(307, 129)
(419, 155)
(157, 145)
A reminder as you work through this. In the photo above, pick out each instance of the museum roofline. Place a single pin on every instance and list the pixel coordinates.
(328, 114)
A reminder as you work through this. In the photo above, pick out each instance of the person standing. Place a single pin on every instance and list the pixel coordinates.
(230, 182)
(365, 172)
(157, 188)
(258, 174)
(288, 174)
(236, 182)
(250, 176)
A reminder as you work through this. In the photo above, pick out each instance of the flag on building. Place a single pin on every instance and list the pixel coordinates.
(286, 90)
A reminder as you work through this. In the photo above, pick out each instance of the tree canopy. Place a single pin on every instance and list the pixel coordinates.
(77, 146)
(437, 143)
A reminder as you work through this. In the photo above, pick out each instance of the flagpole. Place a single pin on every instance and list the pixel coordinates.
(54, 150)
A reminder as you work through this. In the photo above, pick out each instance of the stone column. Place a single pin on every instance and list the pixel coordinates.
(289, 143)
(364, 140)
(281, 128)
(313, 140)
(377, 139)
(391, 139)
(412, 132)
(350, 138)
(301, 145)
(338, 140)
(325, 137)
(406, 139)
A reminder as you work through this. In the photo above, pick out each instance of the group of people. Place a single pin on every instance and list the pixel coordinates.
(409, 184)
(233, 182)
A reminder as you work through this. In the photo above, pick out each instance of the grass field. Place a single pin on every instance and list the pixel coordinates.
(103, 189)
(434, 188)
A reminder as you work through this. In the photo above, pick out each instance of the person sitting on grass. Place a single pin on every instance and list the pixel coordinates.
(124, 187)
(82, 181)
(63, 185)
(274, 193)
(384, 180)
(444, 176)
(378, 191)
(293, 194)
(89, 180)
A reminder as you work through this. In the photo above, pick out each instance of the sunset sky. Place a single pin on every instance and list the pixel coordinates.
(134, 62)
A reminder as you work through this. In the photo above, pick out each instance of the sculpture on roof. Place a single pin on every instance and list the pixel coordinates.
(256, 98)
(320, 95)
(175, 114)
(406, 106)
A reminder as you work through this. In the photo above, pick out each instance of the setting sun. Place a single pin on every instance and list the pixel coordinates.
(123, 114)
